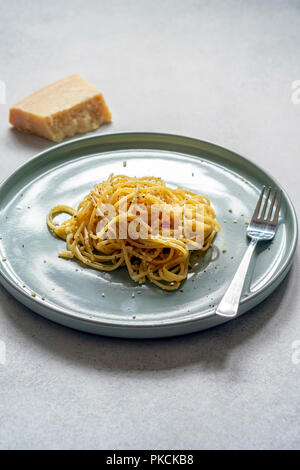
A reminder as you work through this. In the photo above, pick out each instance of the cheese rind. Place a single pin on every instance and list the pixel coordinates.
(64, 108)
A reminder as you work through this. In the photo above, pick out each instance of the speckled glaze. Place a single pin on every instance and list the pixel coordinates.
(68, 293)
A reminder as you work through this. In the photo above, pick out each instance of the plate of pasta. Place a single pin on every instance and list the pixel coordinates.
(136, 234)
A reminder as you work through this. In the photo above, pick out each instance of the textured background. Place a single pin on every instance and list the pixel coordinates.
(219, 71)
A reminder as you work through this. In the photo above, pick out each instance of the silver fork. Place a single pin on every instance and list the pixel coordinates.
(260, 228)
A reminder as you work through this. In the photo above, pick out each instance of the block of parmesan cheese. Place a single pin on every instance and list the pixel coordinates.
(64, 108)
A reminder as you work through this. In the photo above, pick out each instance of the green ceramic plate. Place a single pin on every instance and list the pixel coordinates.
(73, 293)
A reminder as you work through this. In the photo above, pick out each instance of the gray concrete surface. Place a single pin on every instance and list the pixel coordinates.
(219, 71)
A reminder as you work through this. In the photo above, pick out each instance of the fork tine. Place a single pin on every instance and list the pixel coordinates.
(255, 214)
(272, 205)
(275, 220)
(265, 204)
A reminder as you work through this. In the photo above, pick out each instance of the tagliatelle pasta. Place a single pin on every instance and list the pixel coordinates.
(139, 223)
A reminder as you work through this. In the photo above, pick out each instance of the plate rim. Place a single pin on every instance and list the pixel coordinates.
(37, 305)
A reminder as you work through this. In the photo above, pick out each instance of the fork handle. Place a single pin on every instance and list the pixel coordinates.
(228, 307)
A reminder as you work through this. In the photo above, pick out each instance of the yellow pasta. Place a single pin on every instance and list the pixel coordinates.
(139, 223)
